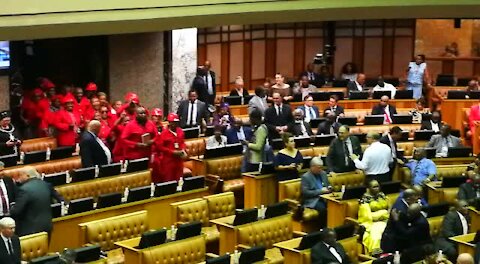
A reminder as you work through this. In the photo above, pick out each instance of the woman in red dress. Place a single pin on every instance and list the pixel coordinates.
(169, 152)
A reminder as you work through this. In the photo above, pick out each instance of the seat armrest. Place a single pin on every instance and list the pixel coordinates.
(242, 246)
(363, 257)
(299, 234)
(352, 220)
(212, 178)
(211, 255)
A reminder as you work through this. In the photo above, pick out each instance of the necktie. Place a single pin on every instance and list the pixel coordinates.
(332, 130)
(346, 151)
(279, 110)
(387, 116)
(206, 81)
(310, 76)
(4, 202)
(312, 114)
(417, 167)
(191, 115)
(10, 248)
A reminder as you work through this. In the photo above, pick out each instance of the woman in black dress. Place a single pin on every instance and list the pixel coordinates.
(9, 140)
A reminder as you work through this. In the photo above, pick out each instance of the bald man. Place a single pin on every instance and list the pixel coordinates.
(465, 258)
(455, 223)
(10, 251)
(385, 109)
(358, 85)
(92, 149)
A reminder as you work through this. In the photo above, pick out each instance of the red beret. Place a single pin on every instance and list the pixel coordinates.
(157, 112)
(68, 99)
(91, 87)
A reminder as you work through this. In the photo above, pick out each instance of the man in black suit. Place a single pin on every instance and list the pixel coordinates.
(92, 149)
(278, 117)
(454, 223)
(405, 231)
(300, 128)
(391, 139)
(334, 107)
(435, 122)
(338, 157)
(32, 208)
(329, 126)
(357, 85)
(8, 193)
(328, 250)
(192, 112)
(385, 109)
(313, 77)
(10, 251)
(210, 82)
(199, 85)
(470, 191)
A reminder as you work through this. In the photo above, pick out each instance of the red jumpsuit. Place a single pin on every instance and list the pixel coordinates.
(34, 112)
(132, 134)
(104, 131)
(82, 106)
(166, 166)
(474, 116)
(117, 151)
(66, 135)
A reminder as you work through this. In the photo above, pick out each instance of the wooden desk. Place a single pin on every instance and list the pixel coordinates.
(259, 189)
(434, 193)
(66, 233)
(463, 243)
(452, 114)
(336, 209)
(228, 234)
(474, 218)
(131, 254)
(451, 161)
(290, 252)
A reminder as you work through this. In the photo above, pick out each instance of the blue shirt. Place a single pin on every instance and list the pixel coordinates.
(420, 170)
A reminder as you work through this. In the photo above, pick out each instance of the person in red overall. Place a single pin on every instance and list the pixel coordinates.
(130, 107)
(105, 129)
(50, 116)
(116, 138)
(91, 110)
(138, 136)
(91, 90)
(157, 118)
(34, 106)
(81, 103)
(67, 123)
(169, 152)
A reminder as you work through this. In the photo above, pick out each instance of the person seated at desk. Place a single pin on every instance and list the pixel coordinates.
(349, 72)
(385, 109)
(238, 132)
(278, 117)
(472, 86)
(383, 86)
(357, 85)
(340, 150)
(334, 107)
(312, 77)
(281, 88)
(304, 87)
(310, 110)
(328, 250)
(376, 159)
(217, 140)
(473, 168)
(315, 183)
(329, 126)
(326, 76)
(435, 122)
(10, 249)
(455, 223)
(406, 230)
(222, 116)
(420, 108)
(300, 128)
(470, 191)
(373, 214)
(422, 170)
(443, 141)
(239, 90)
(288, 160)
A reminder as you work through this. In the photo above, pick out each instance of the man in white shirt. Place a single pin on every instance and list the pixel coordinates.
(10, 251)
(217, 140)
(376, 159)
(328, 250)
(383, 86)
(357, 85)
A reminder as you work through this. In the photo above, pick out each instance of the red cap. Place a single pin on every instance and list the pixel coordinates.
(38, 91)
(135, 100)
(129, 96)
(68, 99)
(172, 117)
(91, 87)
(157, 112)
(57, 97)
(47, 84)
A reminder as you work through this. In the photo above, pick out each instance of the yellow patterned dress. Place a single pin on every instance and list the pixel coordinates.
(373, 214)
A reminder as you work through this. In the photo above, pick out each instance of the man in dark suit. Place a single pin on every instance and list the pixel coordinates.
(8, 193)
(391, 139)
(92, 149)
(408, 197)
(310, 111)
(313, 77)
(385, 109)
(10, 251)
(328, 250)
(192, 111)
(300, 128)
(210, 82)
(443, 141)
(357, 85)
(199, 85)
(405, 231)
(454, 223)
(338, 157)
(32, 209)
(278, 117)
(329, 126)
(315, 183)
(238, 133)
(435, 122)
(334, 107)
(470, 191)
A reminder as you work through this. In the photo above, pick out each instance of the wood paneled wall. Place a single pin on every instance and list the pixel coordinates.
(257, 52)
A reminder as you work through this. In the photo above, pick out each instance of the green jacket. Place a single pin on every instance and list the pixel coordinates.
(256, 148)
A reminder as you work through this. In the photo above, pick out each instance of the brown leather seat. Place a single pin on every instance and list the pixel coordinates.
(34, 246)
(38, 144)
(48, 167)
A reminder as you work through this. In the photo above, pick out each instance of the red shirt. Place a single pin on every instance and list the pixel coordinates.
(474, 116)
(132, 134)
(66, 134)
(104, 131)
